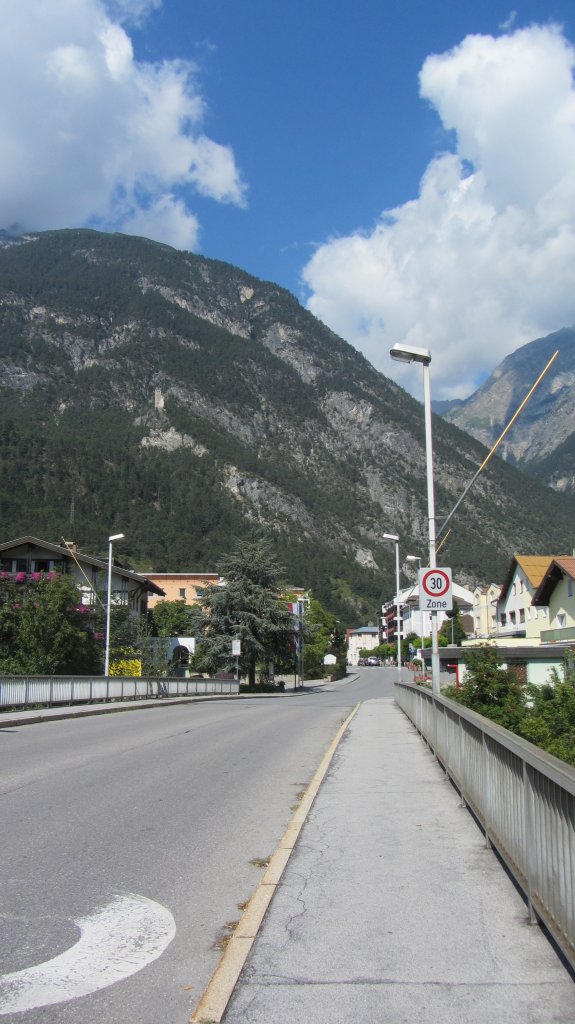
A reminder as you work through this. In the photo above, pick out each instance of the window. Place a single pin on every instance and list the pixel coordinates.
(503, 619)
(512, 618)
(569, 587)
(522, 614)
(183, 593)
(561, 620)
(200, 591)
(514, 588)
(520, 586)
(20, 565)
(40, 565)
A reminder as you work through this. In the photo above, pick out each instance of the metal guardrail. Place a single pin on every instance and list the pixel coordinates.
(523, 798)
(25, 691)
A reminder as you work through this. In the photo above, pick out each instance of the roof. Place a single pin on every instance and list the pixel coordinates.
(558, 568)
(364, 629)
(67, 552)
(534, 567)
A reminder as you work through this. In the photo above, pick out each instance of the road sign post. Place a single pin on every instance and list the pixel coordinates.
(435, 594)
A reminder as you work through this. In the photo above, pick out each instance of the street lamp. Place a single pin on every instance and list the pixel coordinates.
(394, 537)
(411, 354)
(115, 536)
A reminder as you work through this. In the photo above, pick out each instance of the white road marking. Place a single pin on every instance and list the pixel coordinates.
(116, 941)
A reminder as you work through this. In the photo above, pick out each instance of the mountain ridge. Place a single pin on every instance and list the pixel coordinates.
(187, 403)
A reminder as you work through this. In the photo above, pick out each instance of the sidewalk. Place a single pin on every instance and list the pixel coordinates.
(392, 910)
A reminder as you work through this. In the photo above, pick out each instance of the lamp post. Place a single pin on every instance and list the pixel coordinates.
(411, 354)
(115, 536)
(393, 537)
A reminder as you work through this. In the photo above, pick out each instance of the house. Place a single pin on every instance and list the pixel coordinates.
(516, 617)
(29, 558)
(188, 587)
(556, 592)
(364, 638)
(413, 620)
(484, 610)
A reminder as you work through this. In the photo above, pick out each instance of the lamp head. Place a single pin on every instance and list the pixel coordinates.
(391, 536)
(116, 536)
(410, 354)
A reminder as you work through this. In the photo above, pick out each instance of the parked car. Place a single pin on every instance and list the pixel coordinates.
(373, 660)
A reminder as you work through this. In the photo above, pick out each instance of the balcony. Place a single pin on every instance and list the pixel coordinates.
(554, 636)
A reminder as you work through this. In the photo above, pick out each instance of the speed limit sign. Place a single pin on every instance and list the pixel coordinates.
(435, 590)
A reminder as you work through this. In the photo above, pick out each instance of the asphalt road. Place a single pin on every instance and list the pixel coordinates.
(177, 805)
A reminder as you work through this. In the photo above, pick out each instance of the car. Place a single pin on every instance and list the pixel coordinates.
(373, 660)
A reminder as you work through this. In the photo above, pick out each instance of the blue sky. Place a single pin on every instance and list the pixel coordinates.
(280, 137)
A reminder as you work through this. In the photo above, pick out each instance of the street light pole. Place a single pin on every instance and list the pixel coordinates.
(115, 536)
(411, 354)
(394, 537)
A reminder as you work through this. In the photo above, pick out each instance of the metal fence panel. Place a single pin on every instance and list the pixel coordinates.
(523, 797)
(35, 690)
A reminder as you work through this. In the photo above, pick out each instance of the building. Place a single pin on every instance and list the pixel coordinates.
(413, 620)
(28, 558)
(484, 610)
(364, 638)
(556, 594)
(516, 616)
(181, 586)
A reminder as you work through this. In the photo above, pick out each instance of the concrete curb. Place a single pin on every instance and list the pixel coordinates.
(214, 1001)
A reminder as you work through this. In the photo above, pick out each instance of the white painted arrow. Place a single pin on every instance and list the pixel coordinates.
(116, 941)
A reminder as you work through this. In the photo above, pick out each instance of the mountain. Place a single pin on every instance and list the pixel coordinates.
(542, 440)
(187, 404)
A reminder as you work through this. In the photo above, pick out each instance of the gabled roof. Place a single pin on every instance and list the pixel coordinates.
(558, 568)
(534, 567)
(66, 552)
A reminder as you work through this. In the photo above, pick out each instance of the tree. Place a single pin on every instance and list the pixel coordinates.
(490, 689)
(248, 607)
(549, 721)
(452, 631)
(44, 630)
(175, 618)
(322, 635)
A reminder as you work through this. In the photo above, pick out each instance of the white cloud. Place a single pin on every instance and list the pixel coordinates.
(483, 259)
(90, 135)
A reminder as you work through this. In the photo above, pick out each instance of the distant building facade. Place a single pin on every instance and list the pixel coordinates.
(188, 587)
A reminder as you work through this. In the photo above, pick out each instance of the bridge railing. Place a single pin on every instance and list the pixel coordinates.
(27, 691)
(522, 797)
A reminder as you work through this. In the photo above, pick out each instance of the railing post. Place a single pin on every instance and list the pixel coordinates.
(530, 827)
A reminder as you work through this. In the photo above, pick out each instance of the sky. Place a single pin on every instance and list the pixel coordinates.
(405, 167)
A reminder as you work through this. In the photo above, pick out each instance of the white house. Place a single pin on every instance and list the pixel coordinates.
(556, 592)
(29, 558)
(419, 622)
(516, 616)
(364, 638)
(485, 610)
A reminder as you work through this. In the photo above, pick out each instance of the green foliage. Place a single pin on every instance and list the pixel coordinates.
(544, 715)
(322, 635)
(549, 721)
(490, 689)
(248, 607)
(452, 631)
(45, 631)
(175, 618)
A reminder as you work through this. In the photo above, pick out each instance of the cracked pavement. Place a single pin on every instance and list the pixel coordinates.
(393, 909)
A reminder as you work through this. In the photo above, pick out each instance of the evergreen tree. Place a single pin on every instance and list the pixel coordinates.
(248, 607)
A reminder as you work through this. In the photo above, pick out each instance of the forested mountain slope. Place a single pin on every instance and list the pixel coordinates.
(185, 403)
